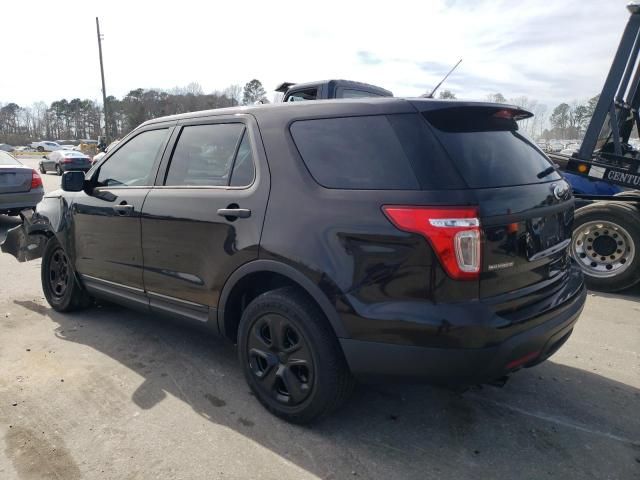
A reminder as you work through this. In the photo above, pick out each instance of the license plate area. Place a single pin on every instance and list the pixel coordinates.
(545, 236)
(7, 179)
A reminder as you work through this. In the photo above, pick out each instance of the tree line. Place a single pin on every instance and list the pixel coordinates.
(78, 119)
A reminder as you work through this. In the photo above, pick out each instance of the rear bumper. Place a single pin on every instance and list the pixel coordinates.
(73, 168)
(20, 200)
(467, 366)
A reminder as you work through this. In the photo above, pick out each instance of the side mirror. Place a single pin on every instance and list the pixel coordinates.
(72, 181)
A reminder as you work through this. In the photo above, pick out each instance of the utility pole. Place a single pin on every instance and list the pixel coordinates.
(104, 91)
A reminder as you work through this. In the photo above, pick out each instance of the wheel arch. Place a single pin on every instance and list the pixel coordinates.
(272, 274)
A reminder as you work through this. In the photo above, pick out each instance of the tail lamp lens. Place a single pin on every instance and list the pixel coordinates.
(36, 180)
(453, 232)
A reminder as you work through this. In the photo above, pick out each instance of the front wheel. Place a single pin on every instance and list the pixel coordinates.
(291, 358)
(60, 285)
(606, 245)
(40, 149)
(58, 170)
(41, 168)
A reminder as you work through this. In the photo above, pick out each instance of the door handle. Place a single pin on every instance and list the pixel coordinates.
(234, 212)
(123, 209)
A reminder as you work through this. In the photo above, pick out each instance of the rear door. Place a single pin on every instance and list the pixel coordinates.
(204, 217)
(526, 207)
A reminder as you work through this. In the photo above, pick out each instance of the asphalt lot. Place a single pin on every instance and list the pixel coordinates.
(110, 393)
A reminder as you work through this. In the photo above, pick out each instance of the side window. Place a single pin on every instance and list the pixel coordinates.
(132, 164)
(204, 155)
(243, 168)
(389, 152)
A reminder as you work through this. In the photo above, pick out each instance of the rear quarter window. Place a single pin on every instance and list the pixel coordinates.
(388, 152)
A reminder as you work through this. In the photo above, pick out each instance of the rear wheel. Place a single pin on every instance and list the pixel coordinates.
(291, 358)
(40, 149)
(606, 245)
(60, 284)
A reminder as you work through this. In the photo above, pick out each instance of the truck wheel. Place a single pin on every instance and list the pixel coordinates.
(606, 245)
(60, 285)
(291, 357)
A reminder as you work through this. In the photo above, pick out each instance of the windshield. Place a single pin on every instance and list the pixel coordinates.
(487, 148)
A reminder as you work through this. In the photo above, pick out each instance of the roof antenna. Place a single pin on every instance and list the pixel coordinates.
(430, 95)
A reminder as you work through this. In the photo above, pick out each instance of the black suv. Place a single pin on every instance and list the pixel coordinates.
(329, 240)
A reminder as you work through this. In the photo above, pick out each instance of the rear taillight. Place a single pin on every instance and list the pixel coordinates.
(66, 160)
(453, 232)
(36, 180)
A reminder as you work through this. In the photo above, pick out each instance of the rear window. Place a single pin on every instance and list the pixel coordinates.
(389, 152)
(6, 159)
(487, 148)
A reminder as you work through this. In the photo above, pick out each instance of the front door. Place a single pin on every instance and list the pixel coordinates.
(107, 222)
(204, 219)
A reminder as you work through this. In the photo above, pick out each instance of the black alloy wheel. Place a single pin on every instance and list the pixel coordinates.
(280, 360)
(59, 273)
(60, 285)
(291, 357)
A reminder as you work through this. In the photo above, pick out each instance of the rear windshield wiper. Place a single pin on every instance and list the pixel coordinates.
(547, 171)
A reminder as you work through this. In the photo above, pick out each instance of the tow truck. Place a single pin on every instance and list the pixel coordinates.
(606, 235)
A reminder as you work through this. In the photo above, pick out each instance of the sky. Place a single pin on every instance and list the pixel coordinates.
(550, 51)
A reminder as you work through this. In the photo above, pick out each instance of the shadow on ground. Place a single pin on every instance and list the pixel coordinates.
(551, 421)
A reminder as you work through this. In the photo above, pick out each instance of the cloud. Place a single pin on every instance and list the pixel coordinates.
(549, 51)
(367, 58)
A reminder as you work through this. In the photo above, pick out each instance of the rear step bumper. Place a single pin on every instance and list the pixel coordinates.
(460, 366)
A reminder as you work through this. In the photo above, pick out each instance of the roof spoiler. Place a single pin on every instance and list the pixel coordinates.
(284, 86)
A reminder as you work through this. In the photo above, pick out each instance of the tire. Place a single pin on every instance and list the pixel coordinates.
(40, 149)
(60, 285)
(629, 193)
(58, 170)
(606, 245)
(277, 372)
(41, 168)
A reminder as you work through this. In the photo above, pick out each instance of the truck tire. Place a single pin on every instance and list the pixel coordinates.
(291, 357)
(60, 285)
(606, 245)
(629, 193)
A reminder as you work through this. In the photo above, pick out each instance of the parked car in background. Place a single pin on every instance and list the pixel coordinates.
(329, 240)
(46, 146)
(544, 146)
(20, 186)
(24, 149)
(555, 147)
(64, 160)
(5, 147)
(570, 149)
